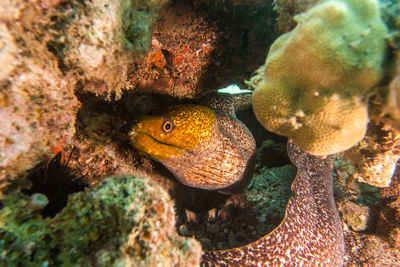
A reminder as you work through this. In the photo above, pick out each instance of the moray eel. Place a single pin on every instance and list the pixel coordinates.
(202, 146)
(311, 232)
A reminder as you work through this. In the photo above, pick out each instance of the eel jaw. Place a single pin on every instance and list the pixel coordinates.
(152, 147)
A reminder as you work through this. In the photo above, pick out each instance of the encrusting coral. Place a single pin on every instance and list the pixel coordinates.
(287, 9)
(375, 158)
(313, 85)
(385, 105)
(122, 221)
(37, 103)
(392, 106)
(49, 50)
(105, 36)
(353, 215)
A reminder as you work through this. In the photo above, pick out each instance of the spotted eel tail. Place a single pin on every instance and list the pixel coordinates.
(311, 232)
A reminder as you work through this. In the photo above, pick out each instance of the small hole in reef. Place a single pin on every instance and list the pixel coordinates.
(56, 181)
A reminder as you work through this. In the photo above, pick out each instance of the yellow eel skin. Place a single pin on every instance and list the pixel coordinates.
(311, 232)
(203, 147)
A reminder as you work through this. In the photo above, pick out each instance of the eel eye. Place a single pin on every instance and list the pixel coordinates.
(167, 126)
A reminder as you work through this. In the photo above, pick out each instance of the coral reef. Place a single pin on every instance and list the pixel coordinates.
(375, 158)
(287, 9)
(104, 37)
(379, 246)
(121, 221)
(193, 49)
(392, 106)
(385, 104)
(388, 224)
(51, 49)
(365, 208)
(340, 45)
(182, 47)
(369, 250)
(269, 192)
(355, 216)
(38, 106)
(59, 55)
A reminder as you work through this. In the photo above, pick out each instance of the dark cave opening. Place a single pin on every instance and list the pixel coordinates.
(56, 181)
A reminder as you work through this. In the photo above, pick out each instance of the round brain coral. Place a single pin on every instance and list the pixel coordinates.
(316, 77)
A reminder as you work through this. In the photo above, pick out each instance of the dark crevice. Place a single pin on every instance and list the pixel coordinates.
(56, 181)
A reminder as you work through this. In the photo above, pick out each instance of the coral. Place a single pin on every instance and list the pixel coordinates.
(122, 221)
(388, 101)
(375, 158)
(48, 51)
(394, 237)
(7, 53)
(182, 46)
(385, 104)
(390, 13)
(287, 9)
(355, 216)
(104, 37)
(38, 106)
(381, 206)
(339, 46)
(53, 48)
(392, 106)
(389, 217)
(269, 191)
(369, 250)
(206, 45)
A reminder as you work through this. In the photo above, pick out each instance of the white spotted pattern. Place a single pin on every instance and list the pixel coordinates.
(311, 232)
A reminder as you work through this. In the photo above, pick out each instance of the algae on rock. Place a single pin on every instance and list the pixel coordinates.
(122, 221)
(269, 191)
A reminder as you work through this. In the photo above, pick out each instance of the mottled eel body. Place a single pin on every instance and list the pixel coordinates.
(311, 232)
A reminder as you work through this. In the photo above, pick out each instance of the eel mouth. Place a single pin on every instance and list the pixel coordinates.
(156, 149)
(159, 142)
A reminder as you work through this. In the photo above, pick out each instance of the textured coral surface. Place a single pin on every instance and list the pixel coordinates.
(375, 157)
(340, 46)
(117, 222)
(37, 106)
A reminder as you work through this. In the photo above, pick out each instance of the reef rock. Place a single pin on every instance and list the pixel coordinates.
(122, 221)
